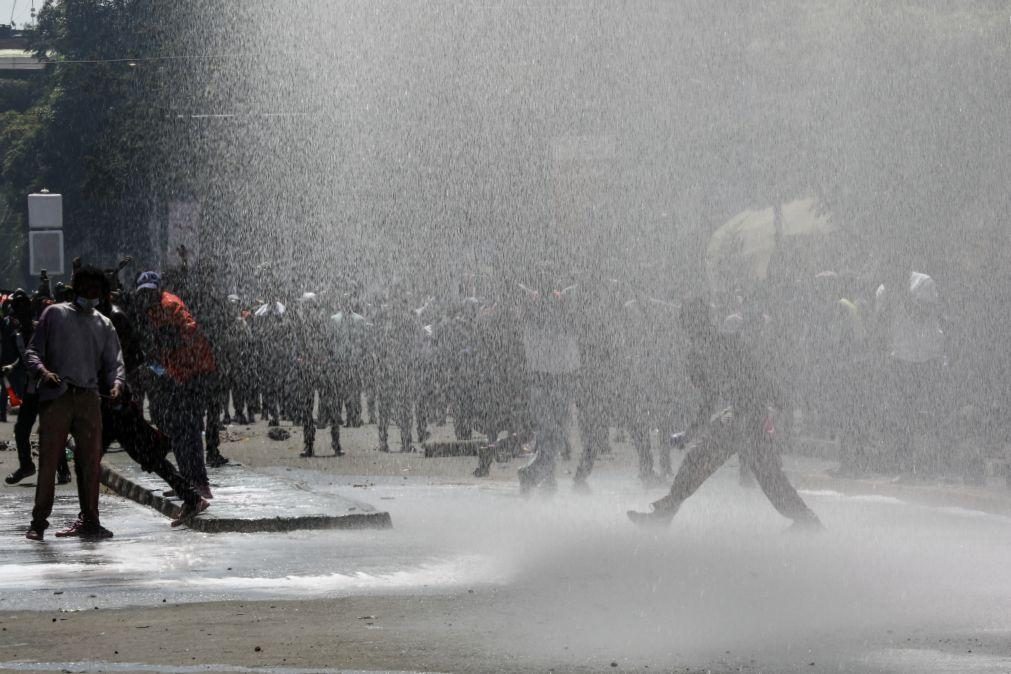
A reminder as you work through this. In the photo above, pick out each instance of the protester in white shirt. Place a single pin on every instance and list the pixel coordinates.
(909, 313)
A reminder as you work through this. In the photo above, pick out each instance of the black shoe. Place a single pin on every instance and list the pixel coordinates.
(527, 481)
(806, 525)
(34, 534)
(306, 453)
(655, 518)
(226, 420)
(338, 451)
(660, 515)
(216, 460)
(20, 474)
(274, 423)
(63, 478)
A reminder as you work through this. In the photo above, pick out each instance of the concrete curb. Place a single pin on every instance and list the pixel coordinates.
(127, 488)
(437, 450)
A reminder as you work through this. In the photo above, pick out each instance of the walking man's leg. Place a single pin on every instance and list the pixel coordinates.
(698, 465)
(768, 467)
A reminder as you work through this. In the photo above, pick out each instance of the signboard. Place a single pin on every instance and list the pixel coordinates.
(45, 211)
(45, 251)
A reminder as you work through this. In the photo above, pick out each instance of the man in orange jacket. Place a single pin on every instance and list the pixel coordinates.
(181, 357)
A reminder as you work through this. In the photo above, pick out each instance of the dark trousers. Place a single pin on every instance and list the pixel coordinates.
(549, 409)
(236, 381)
(744, 436)
(331, 399)
(329, 408)
(180, 415)
(214, 396)
(592, 415)
(394, 403)
(124, 422)
(352, 399)
(639, 433)
(77, 413)
(303, 401)
(27, 416)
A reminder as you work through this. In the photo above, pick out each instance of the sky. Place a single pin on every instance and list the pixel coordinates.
(20, 9)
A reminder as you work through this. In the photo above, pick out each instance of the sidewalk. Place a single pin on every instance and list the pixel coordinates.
(245, 500)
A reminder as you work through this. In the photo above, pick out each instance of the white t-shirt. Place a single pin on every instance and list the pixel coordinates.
(916, 336)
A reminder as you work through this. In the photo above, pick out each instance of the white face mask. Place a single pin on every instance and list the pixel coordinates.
(86, 304)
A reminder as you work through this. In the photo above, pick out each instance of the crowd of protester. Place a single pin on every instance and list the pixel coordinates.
(516, 363)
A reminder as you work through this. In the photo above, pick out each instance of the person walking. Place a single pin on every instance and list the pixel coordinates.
(724, 372)
(75, 354)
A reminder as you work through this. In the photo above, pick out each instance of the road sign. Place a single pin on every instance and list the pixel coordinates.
(45, 251)
(45, 211)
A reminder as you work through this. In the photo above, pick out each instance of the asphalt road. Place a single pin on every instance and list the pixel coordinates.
(567, 583)
(474, 578)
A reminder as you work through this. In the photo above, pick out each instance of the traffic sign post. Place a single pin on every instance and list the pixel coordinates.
(45, 235)
(45, 210)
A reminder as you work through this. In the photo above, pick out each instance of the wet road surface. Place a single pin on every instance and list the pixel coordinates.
(890, 586)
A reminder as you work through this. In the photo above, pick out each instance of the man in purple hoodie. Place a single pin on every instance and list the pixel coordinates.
(75, 354)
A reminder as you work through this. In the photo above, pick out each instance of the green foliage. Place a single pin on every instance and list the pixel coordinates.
(95, 130)
(17, 94)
